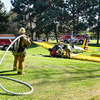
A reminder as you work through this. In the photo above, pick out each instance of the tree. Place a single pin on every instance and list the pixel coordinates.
(4, 19)
(93, 17)
(13, 25)
(71, 16)
(53, 13)
(88, 11)
(25, 13)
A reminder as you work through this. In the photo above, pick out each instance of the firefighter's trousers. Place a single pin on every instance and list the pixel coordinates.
(68, 53)
(19, 64)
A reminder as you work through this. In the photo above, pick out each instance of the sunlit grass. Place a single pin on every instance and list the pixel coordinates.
(52, 78)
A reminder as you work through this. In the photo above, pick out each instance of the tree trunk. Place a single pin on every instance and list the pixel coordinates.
(30, 21)
(78, 10)
(98, 37)
(98, 32)
(73, 9)
(30, 25)
(77, 21)
(55, 31)
(47, 37)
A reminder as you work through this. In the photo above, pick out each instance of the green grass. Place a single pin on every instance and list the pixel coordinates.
(52, 78)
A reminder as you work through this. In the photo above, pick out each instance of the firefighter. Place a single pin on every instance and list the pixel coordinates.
(19, 51)
(61, 50)
(66, 51)
(55, 51)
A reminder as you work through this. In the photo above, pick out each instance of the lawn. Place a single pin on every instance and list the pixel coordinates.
(52, 78)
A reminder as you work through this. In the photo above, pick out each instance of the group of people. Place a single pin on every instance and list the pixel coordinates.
(60, 50)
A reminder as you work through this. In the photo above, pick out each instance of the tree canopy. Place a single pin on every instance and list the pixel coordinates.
(4, 19)
(58, 16)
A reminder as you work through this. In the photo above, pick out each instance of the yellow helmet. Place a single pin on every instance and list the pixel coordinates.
(22, 30)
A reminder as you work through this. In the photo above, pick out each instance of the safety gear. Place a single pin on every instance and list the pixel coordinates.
(22, 30)
(67, 50)
(19, 60)
(21, 73)
(16, 45)
(19, 54)
(14, 68)
(20, 45)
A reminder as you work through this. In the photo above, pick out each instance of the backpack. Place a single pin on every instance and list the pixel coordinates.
(16, 45)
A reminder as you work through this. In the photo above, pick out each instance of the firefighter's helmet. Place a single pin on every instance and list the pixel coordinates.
(22, 30)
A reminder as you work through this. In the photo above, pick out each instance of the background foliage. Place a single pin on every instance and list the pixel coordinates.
(51, 17)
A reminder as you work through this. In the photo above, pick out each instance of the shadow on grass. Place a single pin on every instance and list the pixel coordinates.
(7, 94)
(52, 56)
(32, 46)
(63, 76)
(67, 79)
(45, 55)
(94, 45)
(81, 71)
(6, 71)
(9, 74)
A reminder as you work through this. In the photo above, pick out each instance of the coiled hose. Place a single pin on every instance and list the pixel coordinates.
(31, 88)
